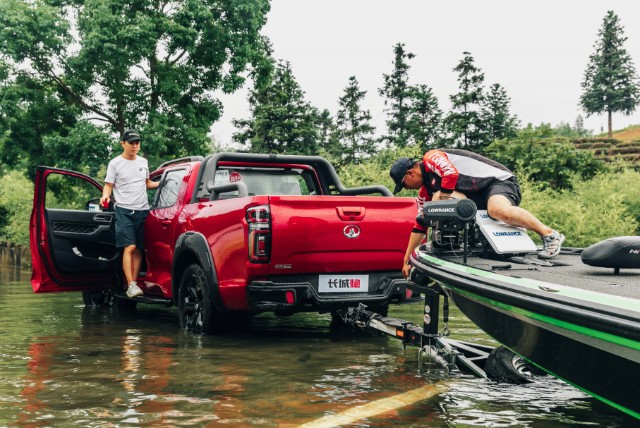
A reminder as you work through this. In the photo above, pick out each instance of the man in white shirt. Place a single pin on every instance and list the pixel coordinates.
(128, 179)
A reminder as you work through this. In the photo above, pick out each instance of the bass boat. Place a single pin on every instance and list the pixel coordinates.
(576, 316)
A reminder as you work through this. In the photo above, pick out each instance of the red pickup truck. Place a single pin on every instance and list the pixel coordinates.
(229, 234)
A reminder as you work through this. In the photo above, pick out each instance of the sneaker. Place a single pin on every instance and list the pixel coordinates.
(134, 290)
(551, 245)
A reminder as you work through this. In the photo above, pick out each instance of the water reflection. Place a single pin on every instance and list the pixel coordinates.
(63, 364)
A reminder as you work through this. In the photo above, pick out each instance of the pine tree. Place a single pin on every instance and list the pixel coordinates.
(354, 132)
(464, 124)
(579, 127)
(395, 90)
(327, 143)
(424, 124)
(282, 121)
(610, 82)
(498, 122)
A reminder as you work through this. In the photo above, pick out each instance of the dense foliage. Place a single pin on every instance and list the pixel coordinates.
(281, 121)
(550, 161)
(149, 65)
(16, 198)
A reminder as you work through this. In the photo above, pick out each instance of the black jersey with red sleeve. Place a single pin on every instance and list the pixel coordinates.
(456, 169)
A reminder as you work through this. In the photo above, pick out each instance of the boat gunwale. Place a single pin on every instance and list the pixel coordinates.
(600, 317)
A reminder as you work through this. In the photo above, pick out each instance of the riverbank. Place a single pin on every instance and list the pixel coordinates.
(15, 255)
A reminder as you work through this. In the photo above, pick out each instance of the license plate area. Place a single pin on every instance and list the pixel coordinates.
(343, 284)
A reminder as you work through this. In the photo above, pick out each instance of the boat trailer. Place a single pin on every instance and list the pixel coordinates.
(457, 357)
(451, 222)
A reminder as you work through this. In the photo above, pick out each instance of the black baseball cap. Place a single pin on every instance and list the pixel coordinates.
(130, 135)
(398, 171)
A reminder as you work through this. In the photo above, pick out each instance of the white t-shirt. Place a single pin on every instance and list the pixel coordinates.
(129, 179)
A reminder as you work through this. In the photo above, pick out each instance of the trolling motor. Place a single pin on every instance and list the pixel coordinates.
(450, 221)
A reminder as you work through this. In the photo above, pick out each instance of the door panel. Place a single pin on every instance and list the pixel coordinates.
(85, 235)
(72, 240)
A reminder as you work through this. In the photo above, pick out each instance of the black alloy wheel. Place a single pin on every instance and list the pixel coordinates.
(195, 308)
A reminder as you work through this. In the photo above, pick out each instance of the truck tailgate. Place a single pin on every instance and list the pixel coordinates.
(339, 234)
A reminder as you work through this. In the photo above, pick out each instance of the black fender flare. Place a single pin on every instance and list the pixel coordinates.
(190, 246)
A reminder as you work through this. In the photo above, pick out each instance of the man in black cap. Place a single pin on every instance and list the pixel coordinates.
(456, 173)
(128, 179)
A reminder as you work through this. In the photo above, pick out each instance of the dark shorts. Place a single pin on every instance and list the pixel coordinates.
(508, 188)
(130, 227)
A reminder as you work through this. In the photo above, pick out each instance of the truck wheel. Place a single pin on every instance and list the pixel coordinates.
(195, 308)
(503, 365)
(98, 298)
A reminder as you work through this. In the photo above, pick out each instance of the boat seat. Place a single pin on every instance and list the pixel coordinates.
(622, 252)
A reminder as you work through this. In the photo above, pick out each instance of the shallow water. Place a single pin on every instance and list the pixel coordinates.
(62, 364)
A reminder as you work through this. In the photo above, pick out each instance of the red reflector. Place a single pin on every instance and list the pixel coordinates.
(289, 296)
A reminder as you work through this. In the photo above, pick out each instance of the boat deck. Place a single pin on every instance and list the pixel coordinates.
(565, 269)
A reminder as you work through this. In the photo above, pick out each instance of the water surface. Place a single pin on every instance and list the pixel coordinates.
(62, 364)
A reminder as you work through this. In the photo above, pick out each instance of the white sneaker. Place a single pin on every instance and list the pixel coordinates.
(551, 245)
(134, 290)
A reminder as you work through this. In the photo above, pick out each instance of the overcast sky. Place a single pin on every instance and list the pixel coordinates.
(537, 50)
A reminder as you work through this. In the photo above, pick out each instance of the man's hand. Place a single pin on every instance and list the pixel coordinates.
(406, 270)
(104, 201)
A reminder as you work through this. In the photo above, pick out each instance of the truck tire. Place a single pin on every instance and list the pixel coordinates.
(196, 311)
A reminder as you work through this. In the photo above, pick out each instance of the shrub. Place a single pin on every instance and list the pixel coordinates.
(550, 161)
(591, 211)
(16, 199)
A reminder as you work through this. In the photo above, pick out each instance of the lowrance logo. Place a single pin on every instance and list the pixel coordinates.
(632, 251)
(440, 210)
(516, 233)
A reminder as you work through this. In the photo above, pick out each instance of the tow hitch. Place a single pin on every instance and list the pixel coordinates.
(457, 357)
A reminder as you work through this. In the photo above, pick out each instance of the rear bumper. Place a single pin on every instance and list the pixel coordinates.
(266, 296)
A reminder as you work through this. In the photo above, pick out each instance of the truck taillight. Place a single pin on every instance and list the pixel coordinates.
(259, 222)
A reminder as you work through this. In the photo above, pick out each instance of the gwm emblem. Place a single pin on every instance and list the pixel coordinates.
(351, 231)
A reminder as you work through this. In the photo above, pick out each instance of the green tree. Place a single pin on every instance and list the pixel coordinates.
(579, 127)
(354, 132)
(396, 92)
(150, 65)
(610, 82)
(281, 120)
(498, 121)
(328, 144)
(30, 110)
(424, 123)
(464, 122)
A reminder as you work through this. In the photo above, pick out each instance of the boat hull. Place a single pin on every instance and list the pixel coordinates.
(581, 342)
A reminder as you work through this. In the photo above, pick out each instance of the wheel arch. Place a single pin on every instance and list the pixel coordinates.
(192, 247)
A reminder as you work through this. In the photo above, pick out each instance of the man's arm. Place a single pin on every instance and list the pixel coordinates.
(414, 240)
(106, 193)
(152, 184)
(438, 162)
